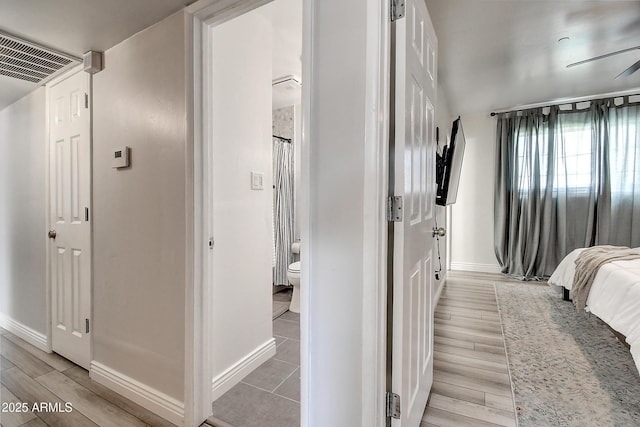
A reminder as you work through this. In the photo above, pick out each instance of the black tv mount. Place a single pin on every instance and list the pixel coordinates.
(448, 164)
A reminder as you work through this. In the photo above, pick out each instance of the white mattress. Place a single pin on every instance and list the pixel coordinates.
(614, 296)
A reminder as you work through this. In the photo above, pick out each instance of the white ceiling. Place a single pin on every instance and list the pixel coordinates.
(497, 54)
(493, 54)
(287, 49)
(76, 26)
(287, 37)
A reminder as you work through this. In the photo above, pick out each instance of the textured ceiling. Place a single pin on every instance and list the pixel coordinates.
(494, 54)
(76, 26)
(497, 54)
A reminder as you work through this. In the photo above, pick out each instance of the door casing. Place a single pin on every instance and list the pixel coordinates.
(201, 16)
(375, 109)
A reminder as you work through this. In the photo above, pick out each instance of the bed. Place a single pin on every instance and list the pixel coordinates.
(614, 295)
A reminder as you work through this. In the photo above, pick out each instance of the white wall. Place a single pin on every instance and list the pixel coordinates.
(23, 140)
(242, 217)
(337, 160)
(471, 230)
(140, 227)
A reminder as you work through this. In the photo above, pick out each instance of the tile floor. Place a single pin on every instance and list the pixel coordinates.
(270, 395)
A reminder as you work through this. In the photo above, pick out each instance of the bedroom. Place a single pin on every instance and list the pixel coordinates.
(508, 68)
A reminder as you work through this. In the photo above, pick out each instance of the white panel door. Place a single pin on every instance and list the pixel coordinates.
(70, 235)
(414, 180)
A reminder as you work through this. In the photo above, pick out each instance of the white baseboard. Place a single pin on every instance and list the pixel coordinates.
(31, 336)
(479, 268)
(157, 402)
(243, 367)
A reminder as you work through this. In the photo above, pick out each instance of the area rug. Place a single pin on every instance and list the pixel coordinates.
(567, 368)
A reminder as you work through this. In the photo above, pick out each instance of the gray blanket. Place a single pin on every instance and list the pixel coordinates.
(589, 262)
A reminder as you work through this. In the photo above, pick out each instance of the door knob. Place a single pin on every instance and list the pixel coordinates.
(52, 234)
(439, 231)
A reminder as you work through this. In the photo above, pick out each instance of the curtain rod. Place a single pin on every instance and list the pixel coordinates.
(282, 138)
(630, 92)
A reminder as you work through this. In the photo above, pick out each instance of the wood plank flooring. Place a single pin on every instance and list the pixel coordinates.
(28, 375)
(471, 378)
(471, 382)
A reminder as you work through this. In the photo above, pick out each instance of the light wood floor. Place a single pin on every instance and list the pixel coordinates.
(471, 379)
(30, 376)
(471, 382)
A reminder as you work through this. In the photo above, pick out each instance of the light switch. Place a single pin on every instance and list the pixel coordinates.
(257, 180)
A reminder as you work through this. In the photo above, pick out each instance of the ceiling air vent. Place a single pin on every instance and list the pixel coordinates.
(24, 60)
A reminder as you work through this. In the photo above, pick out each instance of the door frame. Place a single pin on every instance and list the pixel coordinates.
(376, 190)
(199, 17)
(49, 285)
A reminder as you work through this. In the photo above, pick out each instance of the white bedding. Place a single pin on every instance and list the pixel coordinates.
(614, 296)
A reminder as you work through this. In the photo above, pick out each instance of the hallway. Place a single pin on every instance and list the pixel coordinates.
(31, 376)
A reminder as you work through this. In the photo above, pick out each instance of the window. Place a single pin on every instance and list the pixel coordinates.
(565, 178)
(575, 161)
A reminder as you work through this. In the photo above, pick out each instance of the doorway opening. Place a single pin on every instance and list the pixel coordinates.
(250, 141)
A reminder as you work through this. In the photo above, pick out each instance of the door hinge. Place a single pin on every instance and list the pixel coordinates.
(394, 208)
(393, 405)
(86, 326)
(397, 9)
(86, 214)
(86, 100)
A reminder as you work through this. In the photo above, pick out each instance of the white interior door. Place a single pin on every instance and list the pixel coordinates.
(414, 180)
(70, 235)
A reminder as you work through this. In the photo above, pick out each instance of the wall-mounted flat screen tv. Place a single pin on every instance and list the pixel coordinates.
(449, 166)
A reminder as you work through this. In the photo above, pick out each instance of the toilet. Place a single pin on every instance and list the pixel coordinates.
(293, 275)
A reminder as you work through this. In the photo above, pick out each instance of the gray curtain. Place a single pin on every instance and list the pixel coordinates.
(283, 230)
(565, 179)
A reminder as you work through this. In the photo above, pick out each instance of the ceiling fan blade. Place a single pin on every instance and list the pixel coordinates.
(635, 67)
(606, 55)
